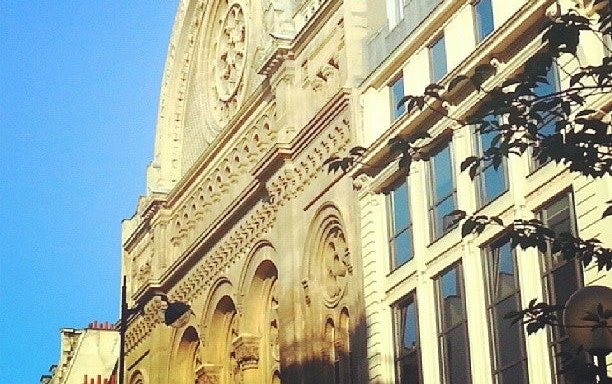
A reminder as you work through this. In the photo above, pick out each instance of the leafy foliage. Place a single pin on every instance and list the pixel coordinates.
(336, 163)
(536, 316)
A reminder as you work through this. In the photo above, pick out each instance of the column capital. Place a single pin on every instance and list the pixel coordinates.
(247, 350)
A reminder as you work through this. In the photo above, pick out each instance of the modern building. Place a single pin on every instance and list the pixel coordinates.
(435, 302)
(298, 275)
(88, 356)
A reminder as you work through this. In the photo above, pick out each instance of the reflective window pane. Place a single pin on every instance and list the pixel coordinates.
(494, 181)
(397, 92)
(503, 272)
(444, 221)
(403, 248)
(504, 296)
(548, 126)
(408, 367)
(456, 355)
(561, 277)
(508, 337)
(443, 175)
(514, 375)
(401, 226)
(401, 212)
(453, 327)
(437, 58)
(483, 12)
(409, 339)
(442, 198)
(452, 302)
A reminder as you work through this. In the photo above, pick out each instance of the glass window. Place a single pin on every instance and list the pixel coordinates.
(397, 92)
(437, 59)
(561, 278)
(483, 18)
(549, 121)
(407, 352)
(400, 226)
(492, 182)
(510, 359)
(452, 326)
(442, 192)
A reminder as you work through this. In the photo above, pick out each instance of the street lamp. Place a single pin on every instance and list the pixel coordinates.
(588, 324)
(176, 315)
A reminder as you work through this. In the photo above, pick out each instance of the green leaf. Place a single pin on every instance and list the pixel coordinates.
(468, 227)
(608, 211)
(497, 220)
(468, 162)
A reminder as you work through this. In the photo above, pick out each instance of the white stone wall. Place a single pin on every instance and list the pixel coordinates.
(527, 193)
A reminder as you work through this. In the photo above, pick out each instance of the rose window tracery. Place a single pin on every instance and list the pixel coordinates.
(228, 59)
(336, 265)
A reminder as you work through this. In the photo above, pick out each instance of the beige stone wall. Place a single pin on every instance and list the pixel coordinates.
(86, 353)
(241, 218)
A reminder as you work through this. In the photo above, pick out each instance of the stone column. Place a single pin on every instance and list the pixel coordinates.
(246, 347)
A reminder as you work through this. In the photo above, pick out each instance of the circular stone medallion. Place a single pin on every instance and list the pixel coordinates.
(230, 54)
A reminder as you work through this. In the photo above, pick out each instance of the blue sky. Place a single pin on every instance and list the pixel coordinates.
(79, 88)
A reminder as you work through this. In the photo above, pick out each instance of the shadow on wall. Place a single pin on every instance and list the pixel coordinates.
(332, 358)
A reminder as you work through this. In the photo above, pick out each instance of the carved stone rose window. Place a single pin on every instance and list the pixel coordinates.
(228, 57)
(336, 266)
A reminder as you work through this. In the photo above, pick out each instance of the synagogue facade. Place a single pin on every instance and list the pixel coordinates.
(296, 274)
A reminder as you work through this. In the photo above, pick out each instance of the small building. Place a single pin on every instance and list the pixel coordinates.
(87, 356)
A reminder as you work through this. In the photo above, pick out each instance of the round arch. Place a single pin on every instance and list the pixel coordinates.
(185, 358)
(220, 330)
(328, 259)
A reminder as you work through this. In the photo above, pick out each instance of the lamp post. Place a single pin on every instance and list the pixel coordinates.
(588, 324)
(176, 315)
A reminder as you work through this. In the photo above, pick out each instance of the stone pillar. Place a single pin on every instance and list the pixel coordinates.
(246, 347)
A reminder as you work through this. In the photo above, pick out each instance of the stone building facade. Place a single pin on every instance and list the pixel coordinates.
(298, 275)
(87, 355)
(241, 218)
(435, 301)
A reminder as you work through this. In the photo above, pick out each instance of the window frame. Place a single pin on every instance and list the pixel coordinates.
(483, 198)
(492, 302)
(430, 49)
(392, 233)
(432, 200)
(555, 340)
(478, 33)
(397, 111)
(442, 330)
(556, 85)
(399, 355)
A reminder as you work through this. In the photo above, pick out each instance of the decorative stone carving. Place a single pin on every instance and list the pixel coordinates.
(277, 19)
(336, 260)
(228, 57)
(273, 329)
(209, 374)
(306, 291)
(234, 244)
(246, 347)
